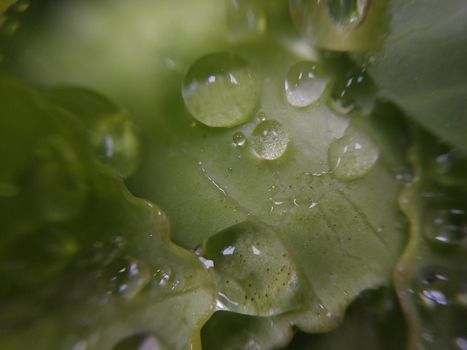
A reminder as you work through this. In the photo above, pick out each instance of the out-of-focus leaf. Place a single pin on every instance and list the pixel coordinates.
(5, 4)
(431, 275)
(423, 65)
(83, 263)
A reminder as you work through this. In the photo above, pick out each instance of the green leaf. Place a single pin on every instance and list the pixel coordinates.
(423, 64)
(333, 233)
(82, 261)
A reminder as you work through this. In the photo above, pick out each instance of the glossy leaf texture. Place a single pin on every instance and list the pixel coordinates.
(431, 276)
(423, 65)
(83, 263)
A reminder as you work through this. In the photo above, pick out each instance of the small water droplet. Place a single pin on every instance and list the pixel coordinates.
(449, 167)
(446, 226)
(245, 19)
(220, 90)
(349, 12)
(352, 156)
(305, 83)
(117, 144)
(270, 140)
(261, 117)
(439, 287)
(162, 276)
(140, 341)
(128, 276)
(239, 139)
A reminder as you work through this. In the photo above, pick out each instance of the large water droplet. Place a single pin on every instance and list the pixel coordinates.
(220, 90)
(129, 276)
(352, 156)
(257, 275)
(117, 144)
(305, 83)
(239, 139)
(245, 19)
(446, 226)
(347, 12)
(270, 140)
(140, 341)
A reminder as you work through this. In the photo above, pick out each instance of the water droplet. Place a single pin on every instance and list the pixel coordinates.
(140, 341)
(128, 276)
(163, 275)
(245, 19)
(348, 12)
(449, 167)
(117, 144)
(446, 226)
(440, 287)
(239, 139)
(305, 83)
(352, 156)
(220, 90)
(353, 92)
(257, 274)
(270, 140)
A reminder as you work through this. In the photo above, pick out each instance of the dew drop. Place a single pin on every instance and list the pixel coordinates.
(162, 276)
(449, 167)
(245, 19)
(348, 12)
(446, 226)
(352, 156)
(239, 139)
(440, 287)
(128, 276)
(269, 140)
(140, 341)
(305, 83)
(257, 274)
(220, 90)
(116, 141)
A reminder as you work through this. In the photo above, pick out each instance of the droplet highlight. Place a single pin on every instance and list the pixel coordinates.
(269, 140)
(446, 226)
(305, 83)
